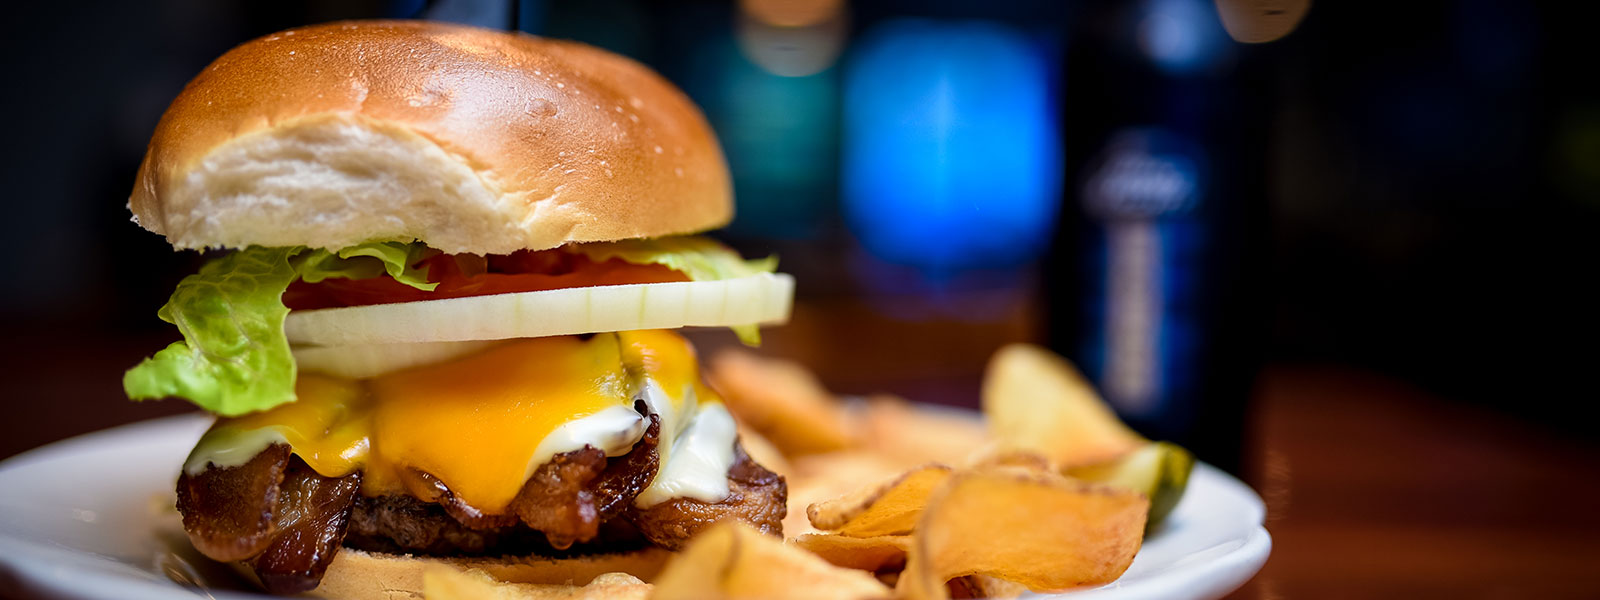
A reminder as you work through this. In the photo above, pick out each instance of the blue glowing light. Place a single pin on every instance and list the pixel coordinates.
(1183, 37)
(951, 156)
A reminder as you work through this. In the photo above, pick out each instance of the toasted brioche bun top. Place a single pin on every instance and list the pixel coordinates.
(467, 139)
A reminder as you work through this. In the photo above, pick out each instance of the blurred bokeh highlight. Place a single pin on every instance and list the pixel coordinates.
(1349, 261)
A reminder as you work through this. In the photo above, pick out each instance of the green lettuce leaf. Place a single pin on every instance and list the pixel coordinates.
(749, 335)
(394, 259)
(701, 258)
(234, 358)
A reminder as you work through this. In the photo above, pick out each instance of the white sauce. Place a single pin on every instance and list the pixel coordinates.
(699, 461)
(614, 429)
(673, 417)
(228, 448)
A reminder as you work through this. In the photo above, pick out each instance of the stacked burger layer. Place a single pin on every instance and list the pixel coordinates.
(442, 323)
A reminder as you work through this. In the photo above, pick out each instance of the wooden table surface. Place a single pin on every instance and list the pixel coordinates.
(1375, 489)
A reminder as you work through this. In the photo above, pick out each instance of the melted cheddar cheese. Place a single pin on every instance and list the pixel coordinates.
(328, 428)
(477, 424)
(482, 424)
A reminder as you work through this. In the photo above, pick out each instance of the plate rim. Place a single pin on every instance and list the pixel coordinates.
(1211, 578)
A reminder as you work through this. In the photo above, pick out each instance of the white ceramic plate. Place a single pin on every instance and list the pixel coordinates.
(92, 517)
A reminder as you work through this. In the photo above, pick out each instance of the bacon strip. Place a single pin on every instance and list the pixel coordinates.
(557, 499)
(570, 496)
(755, 495)
(458, 509)
(313, 512)
(228, 512)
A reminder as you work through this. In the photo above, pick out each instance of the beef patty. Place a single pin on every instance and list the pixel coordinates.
(287, 522)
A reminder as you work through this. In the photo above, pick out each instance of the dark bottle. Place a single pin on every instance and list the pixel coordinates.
(1153, 281)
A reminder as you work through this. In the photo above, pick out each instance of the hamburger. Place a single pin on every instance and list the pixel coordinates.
(439, 321)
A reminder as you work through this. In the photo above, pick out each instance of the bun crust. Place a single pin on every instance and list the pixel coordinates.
(467, 139)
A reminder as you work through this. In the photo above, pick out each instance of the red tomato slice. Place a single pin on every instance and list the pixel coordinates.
(468, 275)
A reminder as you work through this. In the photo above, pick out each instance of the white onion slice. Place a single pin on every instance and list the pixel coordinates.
(360, 361)
(764, 298)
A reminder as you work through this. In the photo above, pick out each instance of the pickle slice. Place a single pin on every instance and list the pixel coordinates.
(1159, 469)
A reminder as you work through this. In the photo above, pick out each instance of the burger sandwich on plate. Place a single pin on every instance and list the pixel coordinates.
(439, 321)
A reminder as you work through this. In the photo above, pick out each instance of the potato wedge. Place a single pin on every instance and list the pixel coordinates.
(783, 402)
(733, 560)
(1037, 401)
(888, 508)
(872, 554)
(443, 582)
(1041, 530)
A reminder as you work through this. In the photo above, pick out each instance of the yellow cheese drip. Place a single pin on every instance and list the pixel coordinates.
(669, 359)
(475, 423)
(327, 428)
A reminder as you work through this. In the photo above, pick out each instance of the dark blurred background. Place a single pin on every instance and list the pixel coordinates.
(1347, 262)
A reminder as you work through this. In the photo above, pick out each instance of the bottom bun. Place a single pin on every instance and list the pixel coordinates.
(361, 575)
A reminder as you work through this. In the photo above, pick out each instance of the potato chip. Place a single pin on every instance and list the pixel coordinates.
(443, 582)
(819, 477)
(1037, 401)
(961, 587)
(381, 573)
(874, 554)
(783, 401)
(915, 435)
(995, 456)
(733, 560)
(889, 578)
(994, 588)
(888, 508)
(983, 586)
(1041, 530)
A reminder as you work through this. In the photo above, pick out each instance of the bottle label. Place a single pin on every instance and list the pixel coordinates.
(1143, 190)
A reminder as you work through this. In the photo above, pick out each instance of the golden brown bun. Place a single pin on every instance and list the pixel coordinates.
(358, 575)
(468, 139)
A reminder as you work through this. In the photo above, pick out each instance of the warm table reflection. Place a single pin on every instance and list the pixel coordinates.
(1376, 489)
